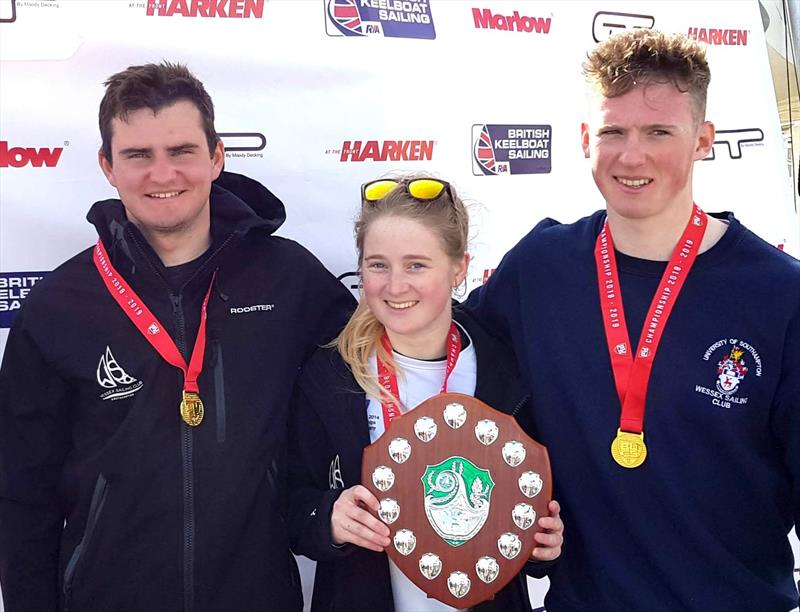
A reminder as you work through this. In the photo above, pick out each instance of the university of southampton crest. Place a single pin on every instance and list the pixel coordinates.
(457, 498)
(730, 371)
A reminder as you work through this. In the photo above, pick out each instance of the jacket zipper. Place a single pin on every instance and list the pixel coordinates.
(187, 465)
(187, 440)
(95, 508)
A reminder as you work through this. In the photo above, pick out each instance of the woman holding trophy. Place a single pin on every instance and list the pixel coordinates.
(401, 346)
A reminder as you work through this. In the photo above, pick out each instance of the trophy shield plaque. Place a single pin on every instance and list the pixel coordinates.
(460, 487)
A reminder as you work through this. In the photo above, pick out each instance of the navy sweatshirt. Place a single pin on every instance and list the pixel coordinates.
(703, 524)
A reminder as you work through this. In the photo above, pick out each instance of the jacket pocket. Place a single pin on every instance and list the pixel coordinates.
(219, 391)
(95, 510)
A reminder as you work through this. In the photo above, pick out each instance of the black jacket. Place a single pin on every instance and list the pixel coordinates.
(159, 516)
(328, 432)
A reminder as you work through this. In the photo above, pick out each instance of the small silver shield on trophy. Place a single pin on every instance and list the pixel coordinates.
(383, 478)
(458, 583)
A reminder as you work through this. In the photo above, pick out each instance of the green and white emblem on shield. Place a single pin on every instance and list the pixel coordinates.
(457, 496)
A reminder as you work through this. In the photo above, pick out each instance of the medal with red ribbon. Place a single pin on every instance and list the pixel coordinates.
(388, 379)
(632, 373)
(191, 406)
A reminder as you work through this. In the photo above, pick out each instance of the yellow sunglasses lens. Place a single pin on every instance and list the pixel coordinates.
(425, 189)
(378, 190)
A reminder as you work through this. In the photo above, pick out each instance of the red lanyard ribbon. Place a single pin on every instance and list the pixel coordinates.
(388, 380)
(149, 326)
(632, 373)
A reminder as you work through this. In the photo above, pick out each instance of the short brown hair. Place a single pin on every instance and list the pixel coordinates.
(642, 57)
(153, 86)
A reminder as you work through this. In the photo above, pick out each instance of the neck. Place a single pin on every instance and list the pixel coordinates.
(652, 238)
(655, 238)
(176, 248)
(430, 345)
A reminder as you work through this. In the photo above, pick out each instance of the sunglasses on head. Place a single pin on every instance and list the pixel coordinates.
(422, 189)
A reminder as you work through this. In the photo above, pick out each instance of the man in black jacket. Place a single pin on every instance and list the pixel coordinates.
(145, 385)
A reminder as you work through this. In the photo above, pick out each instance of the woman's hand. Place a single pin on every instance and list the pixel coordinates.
(549, 541)
(350, 522)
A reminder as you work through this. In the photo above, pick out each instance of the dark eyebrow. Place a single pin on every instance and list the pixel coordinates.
(133, 151)
(183, 147)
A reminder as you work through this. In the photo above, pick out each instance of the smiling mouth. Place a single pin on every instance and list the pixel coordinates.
(401, 305)
(165, 195)
(636, 183)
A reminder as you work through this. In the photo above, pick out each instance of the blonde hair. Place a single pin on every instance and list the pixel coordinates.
(643, 57)
(447, 217)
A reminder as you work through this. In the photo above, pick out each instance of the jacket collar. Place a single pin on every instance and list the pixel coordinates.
(238, 205)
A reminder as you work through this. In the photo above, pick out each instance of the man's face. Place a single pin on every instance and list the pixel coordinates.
(643, 145)
(162, 168)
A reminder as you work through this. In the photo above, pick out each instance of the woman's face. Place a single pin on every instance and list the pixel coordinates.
(408, 279)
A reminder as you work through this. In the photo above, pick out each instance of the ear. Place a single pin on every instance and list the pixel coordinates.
(218, 159)
(461, 267)
(705, 140)
(585, 139)
(107, 168)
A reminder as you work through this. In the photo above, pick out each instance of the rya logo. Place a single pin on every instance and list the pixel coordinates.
(17, 157)
(484, 19)
(606, 24)
(111, 376)
(241, 9)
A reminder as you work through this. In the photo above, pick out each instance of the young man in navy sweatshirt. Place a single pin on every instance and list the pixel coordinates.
(145, 385)
(662, 348)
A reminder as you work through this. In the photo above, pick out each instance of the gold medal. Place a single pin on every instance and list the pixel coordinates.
(628, 449)
(192, 409)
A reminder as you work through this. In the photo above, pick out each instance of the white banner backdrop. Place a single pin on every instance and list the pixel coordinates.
(315, 97)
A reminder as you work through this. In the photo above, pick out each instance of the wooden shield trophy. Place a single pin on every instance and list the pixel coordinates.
(461, 487)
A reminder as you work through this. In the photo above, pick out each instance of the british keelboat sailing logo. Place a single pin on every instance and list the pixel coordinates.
(111, 376)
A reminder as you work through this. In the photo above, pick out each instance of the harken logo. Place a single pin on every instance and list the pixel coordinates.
(389, 18)
(385, 150)
(714, 36)
(732, 142)
(111, 376)
(484, 19)
(511, 149)
(240, 9)
(18, 157)
(607, 23)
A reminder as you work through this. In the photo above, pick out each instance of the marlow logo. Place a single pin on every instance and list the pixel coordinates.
(241, 9)
(485, 20)
(389, 18)
(111, 376)
(510, 149)
(457, 498)
(17, 157)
